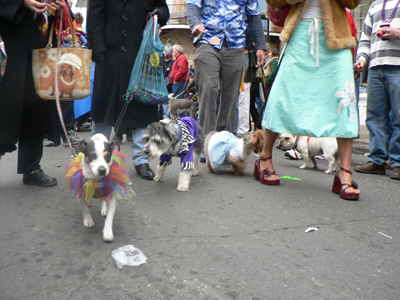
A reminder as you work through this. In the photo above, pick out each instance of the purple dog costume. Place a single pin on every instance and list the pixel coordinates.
(188, 134)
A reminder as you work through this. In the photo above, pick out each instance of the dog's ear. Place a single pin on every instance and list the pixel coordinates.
(113, 145)
(80, 147)
(253, 141)
(170, 133)
(167, 129)
(256, 140)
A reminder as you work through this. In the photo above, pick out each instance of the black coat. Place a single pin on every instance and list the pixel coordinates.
(20, 35)
(115, 27)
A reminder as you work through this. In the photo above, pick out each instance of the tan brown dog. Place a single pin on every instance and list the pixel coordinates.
(257, 141)
(237, 155)
(179, 106)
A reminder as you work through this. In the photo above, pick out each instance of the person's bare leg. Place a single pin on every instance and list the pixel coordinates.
(269, 141)
(345, 147)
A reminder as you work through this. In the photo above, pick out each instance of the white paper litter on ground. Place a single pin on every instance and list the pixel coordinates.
(128, 255)
(311, 229)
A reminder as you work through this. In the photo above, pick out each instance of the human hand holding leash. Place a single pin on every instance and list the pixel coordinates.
(99, 58)
(41, 7)
(389, 33)
(359, 65)
(260, 58)
(199, 28)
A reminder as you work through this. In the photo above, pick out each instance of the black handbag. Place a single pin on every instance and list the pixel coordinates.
(250, 75)
(253, 74)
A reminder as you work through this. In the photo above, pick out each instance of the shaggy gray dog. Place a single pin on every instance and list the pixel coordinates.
(168, 138)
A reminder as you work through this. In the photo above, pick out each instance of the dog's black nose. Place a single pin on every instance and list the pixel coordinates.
(102, 170)
(146, 151)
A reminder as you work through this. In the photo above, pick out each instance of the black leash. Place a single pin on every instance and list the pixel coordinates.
(264, 90)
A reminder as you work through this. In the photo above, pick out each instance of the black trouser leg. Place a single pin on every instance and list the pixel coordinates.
(30, 145)
(68, 112)
(254, 92)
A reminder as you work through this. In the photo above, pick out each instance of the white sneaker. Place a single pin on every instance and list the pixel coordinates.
(293, 154)
(48, 143)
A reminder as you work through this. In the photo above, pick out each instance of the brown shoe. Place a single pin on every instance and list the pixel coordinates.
(395, 173)
(371, 168)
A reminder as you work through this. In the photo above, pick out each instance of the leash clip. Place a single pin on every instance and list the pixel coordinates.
(127, 97)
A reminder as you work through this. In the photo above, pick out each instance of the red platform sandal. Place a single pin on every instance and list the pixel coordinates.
(340, 188)
(264, 174)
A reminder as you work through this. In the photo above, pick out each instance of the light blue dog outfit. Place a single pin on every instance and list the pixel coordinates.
(222, 144)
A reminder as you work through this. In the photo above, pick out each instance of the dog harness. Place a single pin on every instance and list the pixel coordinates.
(117, 183)
(188, 133)
(221, 145)
(295, 145)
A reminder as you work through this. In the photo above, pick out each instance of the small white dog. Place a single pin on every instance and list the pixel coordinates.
(94, 173)
(168, 138)
(310, 147)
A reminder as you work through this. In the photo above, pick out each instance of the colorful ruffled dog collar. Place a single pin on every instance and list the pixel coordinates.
(118, 183)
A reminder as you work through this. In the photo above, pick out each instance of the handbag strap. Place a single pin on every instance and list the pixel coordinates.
(53, 25)
(73, 33)
(155, 23)
(128, 96)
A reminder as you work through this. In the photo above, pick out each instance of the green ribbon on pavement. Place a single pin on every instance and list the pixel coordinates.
(291, 178)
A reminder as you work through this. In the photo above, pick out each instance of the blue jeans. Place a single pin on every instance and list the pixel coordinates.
(177, 88)
(383, 97)
(137, 143)
(166, 111)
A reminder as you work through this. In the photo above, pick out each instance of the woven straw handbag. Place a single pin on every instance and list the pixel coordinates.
(74, 68)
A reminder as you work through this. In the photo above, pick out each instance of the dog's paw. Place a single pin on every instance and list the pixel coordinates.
(303, 166)
(104, 209)
(183, 187)
(157, 178)
(195, 172)
(315, 166)
(88, 222)
(328, 172)
(108, 235)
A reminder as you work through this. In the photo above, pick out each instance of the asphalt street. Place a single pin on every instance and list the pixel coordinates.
(228, 238)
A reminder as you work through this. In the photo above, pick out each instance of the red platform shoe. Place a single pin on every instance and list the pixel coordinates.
(340, 188)
(263, 175)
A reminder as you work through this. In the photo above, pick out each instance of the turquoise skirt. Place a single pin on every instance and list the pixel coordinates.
(307, 99)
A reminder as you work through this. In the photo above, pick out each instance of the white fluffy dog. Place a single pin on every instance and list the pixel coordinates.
(310, 147)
